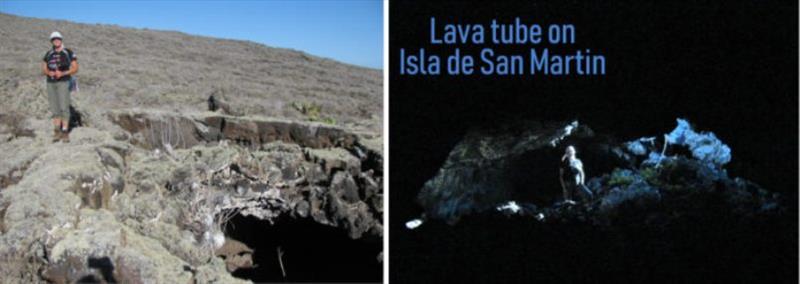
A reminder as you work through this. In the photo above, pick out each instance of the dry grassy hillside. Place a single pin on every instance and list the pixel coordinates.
(124, 67)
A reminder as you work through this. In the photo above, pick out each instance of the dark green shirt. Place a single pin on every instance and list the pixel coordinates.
(59, 60)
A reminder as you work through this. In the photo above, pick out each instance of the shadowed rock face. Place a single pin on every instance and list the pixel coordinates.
(477, 174)
(636, 180)
(682, 218)
(308, 170)
(300, 250)
(158, 129)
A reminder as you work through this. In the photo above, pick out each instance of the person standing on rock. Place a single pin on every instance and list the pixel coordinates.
(572, 177)
(59, 65)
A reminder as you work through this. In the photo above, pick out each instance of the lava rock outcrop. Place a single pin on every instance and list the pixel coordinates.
(514, 171)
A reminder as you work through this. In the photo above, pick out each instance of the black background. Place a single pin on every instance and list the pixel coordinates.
(728, 66)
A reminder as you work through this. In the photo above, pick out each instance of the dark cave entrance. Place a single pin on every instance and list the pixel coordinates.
(312, 252)
(535, 175)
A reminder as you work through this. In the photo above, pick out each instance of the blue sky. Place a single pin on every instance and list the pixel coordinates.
(349, 31)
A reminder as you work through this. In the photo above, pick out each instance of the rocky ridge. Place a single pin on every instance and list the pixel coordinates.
(156, 211)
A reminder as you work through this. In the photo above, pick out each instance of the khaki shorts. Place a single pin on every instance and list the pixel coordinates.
(58, 96)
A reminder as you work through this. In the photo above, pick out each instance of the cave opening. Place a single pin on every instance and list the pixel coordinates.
(301, 250)
(535, 175)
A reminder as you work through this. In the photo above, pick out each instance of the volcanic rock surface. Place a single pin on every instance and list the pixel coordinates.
(143, 191)
(514, 170)
(660, 213)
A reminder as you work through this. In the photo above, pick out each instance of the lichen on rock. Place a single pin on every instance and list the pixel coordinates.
(152, 214)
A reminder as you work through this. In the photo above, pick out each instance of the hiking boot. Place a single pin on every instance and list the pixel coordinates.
(65, 136)
(57, 135)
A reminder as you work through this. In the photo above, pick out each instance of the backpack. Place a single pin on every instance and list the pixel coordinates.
(73, 81)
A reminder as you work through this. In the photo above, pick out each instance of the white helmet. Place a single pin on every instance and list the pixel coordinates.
(55, 35)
